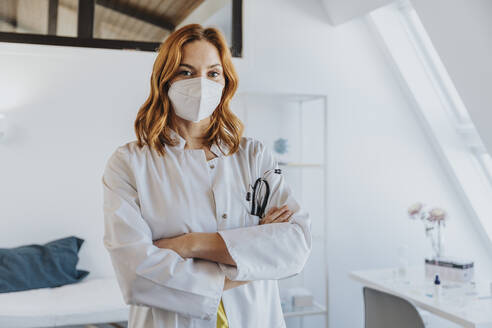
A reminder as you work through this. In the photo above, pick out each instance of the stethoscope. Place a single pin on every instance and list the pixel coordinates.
(260, 200)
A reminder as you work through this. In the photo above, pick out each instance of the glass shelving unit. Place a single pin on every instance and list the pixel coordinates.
(300, 120)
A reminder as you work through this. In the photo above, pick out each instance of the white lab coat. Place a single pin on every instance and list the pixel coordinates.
(148, 197)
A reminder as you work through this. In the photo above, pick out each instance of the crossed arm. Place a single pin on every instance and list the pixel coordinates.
(204, 245)
(211, 246)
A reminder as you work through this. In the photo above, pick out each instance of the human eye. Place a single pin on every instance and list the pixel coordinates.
(183, 72)
(215, 72)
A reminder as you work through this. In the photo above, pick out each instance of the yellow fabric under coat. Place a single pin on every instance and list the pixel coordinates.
(221, 317)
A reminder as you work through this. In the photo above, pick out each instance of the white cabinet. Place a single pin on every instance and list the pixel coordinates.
(299, 122)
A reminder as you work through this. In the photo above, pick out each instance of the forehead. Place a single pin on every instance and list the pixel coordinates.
(200, 53)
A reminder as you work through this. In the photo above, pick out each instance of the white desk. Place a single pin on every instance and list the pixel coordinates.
(460, 303)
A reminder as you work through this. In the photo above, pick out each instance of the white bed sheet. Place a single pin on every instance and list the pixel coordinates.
(96, 300)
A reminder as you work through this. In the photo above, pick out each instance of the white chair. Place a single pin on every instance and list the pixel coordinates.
(383, 310)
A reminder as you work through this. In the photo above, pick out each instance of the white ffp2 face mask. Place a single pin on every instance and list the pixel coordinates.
(196, 98)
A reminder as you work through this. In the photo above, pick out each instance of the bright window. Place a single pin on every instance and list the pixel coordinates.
(438, 105)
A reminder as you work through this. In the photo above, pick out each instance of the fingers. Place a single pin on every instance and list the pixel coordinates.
(281, 209)
(277, 212)
(273, 213)
(276, 215)
(283, 217)
(267, 218)
(273, 208)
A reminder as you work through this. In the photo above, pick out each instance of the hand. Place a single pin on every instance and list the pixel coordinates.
(228, 284)
(180, 244)
(276, 215)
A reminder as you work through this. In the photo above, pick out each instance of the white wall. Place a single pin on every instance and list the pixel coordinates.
(379, 158)
(70, 108)
(461, 33)
(67, 110)
(341, 11)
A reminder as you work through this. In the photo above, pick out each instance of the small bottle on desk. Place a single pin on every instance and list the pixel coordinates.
(437, 288)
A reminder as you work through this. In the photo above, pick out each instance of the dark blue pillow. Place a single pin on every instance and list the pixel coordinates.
(40, 266)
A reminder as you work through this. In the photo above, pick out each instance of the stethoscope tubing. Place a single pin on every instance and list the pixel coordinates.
(259, 209)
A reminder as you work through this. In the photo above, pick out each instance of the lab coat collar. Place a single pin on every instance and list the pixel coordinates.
(182, 142)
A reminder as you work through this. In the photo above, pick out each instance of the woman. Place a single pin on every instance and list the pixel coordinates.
(186, 248)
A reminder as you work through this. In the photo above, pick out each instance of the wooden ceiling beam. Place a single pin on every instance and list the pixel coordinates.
(77, 42)
(52, 16)
(138, 13)
(237, 28)
(85, 20)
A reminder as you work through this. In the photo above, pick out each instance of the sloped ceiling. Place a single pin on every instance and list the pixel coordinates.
(461, 32)
(341, 11)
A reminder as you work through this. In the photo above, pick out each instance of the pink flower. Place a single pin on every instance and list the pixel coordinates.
(415, 209)
(436, 214)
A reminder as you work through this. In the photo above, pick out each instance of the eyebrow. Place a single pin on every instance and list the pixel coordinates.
(191, 66)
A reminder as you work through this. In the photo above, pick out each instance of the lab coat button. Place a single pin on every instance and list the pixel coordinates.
(212, 166)
(224, 216)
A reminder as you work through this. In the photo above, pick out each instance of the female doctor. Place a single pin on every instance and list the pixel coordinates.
(186, 248)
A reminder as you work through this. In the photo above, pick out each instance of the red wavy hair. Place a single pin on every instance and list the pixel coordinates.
(155, 117)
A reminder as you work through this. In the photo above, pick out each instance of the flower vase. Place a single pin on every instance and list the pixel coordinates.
(439, 243)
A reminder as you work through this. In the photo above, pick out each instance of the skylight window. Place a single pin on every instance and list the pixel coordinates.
(438, 104)
(486, 162)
